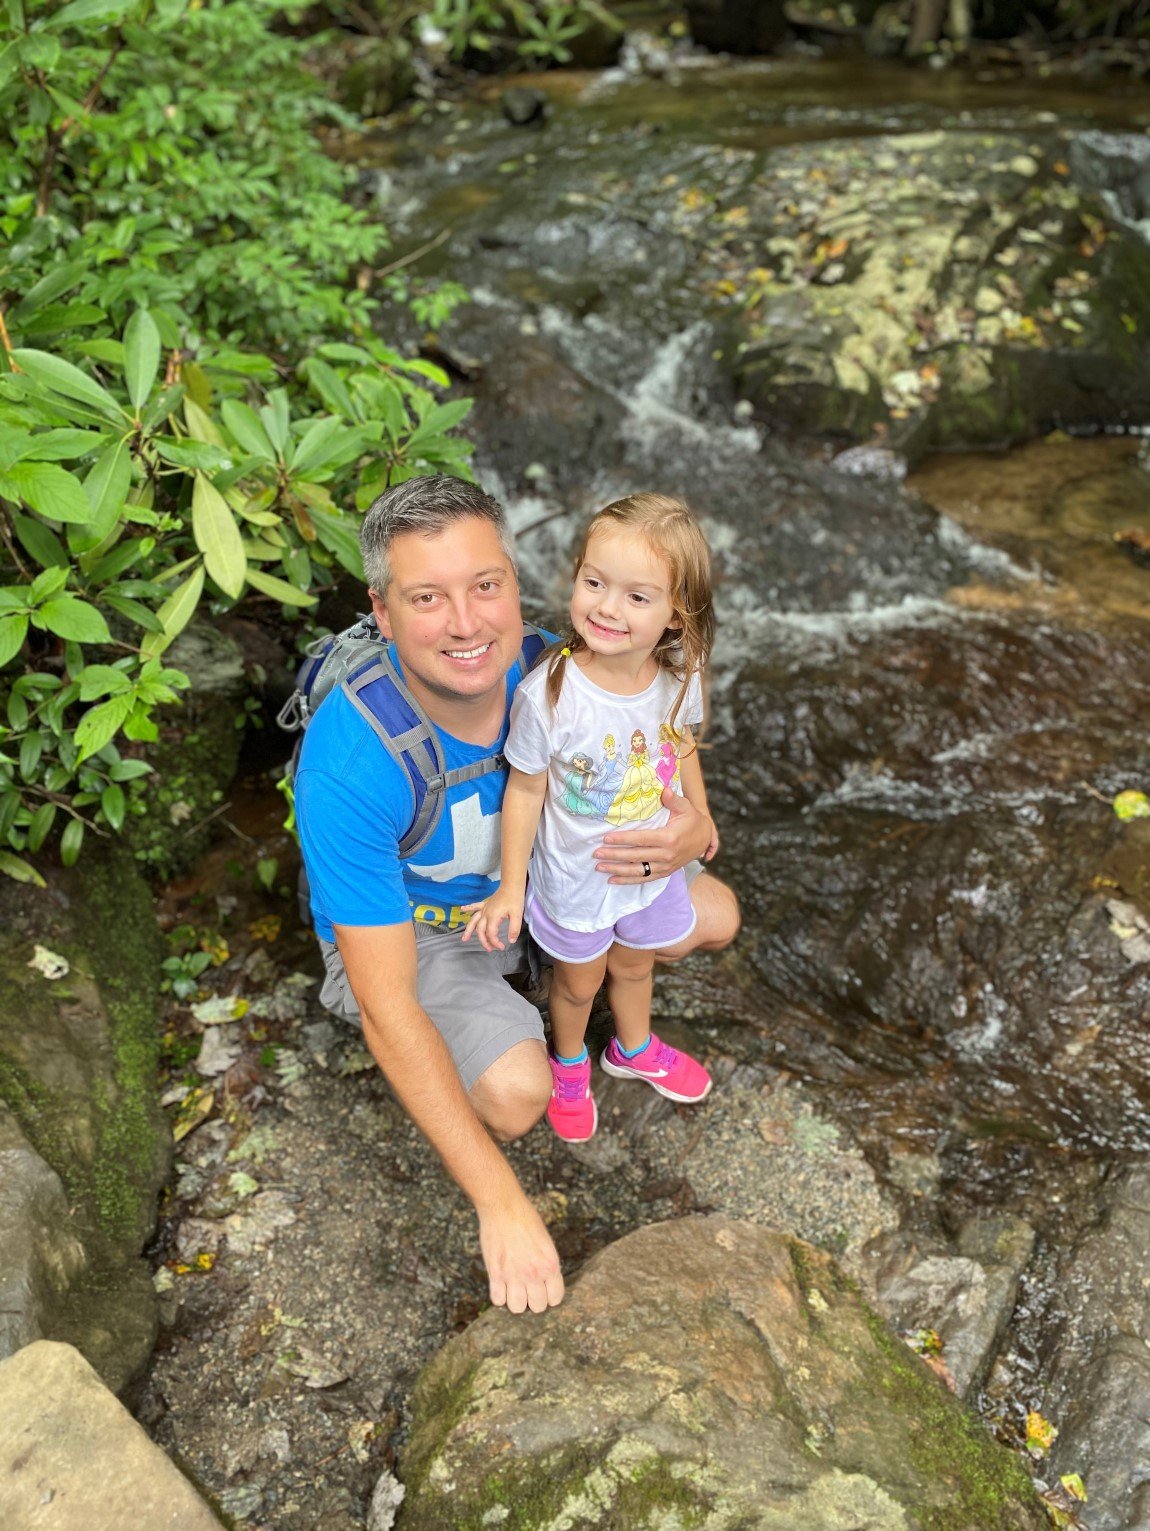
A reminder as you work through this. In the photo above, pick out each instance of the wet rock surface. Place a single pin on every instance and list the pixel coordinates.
(781, 1403)
(1098, 1379)
(925, 275)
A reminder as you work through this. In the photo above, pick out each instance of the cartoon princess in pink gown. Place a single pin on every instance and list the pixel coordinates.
(667, 765)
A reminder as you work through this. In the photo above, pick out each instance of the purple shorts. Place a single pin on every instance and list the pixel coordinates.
(665, 921)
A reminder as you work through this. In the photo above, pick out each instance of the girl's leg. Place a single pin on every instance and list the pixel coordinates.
(629, 992)
(636, 1053)
(574, 986)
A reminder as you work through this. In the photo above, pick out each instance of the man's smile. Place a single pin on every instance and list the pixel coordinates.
(467, 653)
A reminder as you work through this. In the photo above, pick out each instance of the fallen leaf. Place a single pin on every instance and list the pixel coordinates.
(1040, 1433)
(196, 1108)
(220, 1009)
(50, 964)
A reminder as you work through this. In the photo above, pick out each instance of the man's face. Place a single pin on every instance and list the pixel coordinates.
(452, 609)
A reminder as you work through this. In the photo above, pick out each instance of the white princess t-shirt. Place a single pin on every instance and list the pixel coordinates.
(608, 759)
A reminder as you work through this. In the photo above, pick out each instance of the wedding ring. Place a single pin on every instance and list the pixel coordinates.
(646, 865)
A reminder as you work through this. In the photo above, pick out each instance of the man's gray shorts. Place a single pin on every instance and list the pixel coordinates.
(464, 991)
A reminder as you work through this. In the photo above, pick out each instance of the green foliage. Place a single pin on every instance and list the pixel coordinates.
(190, 396)
(538, 30)
(160, 152)
(127, 506)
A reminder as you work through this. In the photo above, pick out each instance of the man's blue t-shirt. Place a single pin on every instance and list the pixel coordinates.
(354, 805)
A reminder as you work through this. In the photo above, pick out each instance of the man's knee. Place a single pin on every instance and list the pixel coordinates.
(512, 1094)
(717, 919)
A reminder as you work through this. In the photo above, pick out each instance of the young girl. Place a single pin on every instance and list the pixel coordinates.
(629, 669)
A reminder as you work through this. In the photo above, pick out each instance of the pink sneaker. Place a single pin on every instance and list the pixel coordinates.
(675, 1075)
(572, 1110)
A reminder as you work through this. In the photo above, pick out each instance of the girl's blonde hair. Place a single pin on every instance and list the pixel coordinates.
(669, 529)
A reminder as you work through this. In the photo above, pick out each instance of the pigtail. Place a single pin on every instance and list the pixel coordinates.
(556, 659)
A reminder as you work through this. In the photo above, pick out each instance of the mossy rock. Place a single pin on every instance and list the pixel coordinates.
(78, 1063)
(953, 289)
(702, 1373)
(379, 77)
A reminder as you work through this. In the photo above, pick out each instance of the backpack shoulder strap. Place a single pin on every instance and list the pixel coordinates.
(381, 696)
(533, 645)
(327, 663)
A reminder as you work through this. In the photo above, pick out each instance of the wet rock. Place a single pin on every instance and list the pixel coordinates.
(533, 406)
(40, 1256)
(966, 325)
(72, 1457)
(522, 106)
(1098, 1378)
(927, 920)
(737, 26)
(1117, 165)
(783, 1404)
(966, 1296)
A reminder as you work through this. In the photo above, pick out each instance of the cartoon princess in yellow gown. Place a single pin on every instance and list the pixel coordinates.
(640, 791)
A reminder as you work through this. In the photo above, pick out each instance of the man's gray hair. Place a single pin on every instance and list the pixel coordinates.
(427, 506)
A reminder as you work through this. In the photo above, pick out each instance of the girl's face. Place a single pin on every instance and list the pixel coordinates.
(621, 605)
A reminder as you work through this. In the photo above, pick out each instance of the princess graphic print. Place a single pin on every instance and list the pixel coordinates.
(608, 759)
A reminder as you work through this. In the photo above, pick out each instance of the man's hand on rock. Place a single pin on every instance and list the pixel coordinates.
(522, 1262)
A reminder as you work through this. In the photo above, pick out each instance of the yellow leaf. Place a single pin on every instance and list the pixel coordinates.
(216, 948)
(1040, 1433)
(194, 1109)
(218, 537)
(1073, 1484)
(1132, 805)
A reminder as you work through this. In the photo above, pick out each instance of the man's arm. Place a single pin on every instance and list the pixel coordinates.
(521, 1260)
(695, 790)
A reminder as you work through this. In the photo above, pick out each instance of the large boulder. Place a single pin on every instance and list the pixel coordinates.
(701, 1372)
(956, 289)
(73, 1459)
(40, 1256)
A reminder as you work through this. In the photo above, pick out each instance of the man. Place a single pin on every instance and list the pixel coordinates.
(464, 1053)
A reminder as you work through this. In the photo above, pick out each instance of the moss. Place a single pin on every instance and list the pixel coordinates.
(577, 1484)
(191, 770)
(132, 1147)
(443, 1400)
(113, 1181)
(985, 1485)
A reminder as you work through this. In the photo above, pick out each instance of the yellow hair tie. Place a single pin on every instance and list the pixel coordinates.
(566, 653)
